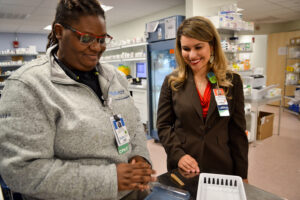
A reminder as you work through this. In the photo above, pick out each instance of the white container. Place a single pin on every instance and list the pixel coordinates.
(220, 187)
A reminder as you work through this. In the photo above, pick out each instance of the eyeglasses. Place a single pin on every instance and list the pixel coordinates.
(88, 39)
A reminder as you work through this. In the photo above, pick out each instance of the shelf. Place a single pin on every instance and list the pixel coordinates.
(294, 45)
(126, 46)
(225, 30)
(259, 102)
(289, 97)
(23, 54)
(295, 58)
(110, 61)
(113, 48)
(290, 111)
(244, 52)
(292, 98)
(134, 45)
(123, 60)
(238, 51)
(4, 76)
(293, 72)
(10, 66)
(297, 86)
(134, 59)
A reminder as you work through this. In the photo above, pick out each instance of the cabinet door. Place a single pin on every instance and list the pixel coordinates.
(275, 60)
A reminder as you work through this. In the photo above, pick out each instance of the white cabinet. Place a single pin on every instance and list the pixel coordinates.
(139, 95)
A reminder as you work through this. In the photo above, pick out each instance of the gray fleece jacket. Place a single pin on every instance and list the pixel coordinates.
(56, 139)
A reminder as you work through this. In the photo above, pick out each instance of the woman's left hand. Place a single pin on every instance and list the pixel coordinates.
(187, 174)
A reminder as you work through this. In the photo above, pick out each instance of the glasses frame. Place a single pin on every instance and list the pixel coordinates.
(96, 37)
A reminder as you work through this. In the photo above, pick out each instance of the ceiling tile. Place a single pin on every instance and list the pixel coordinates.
(281, 11)
(22, 2)
(286, 3)
(264, 5)
(296, 8)
(16, 9)
(28, 28)
(50, 4)
(42, 11)
(295, 15)
(8, 27)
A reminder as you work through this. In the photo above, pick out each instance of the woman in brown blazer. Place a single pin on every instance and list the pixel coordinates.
(196, 138)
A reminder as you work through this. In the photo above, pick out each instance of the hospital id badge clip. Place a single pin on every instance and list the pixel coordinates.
(221, 102)
(121, 133)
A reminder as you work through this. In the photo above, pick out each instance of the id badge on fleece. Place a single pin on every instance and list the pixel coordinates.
(121, 133)
(221, 102)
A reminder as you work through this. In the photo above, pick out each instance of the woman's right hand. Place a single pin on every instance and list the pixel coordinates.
(134, 176)
(188, 164)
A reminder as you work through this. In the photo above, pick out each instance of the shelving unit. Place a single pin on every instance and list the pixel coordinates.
(238, 51)
(124, 60)
(235, 54)
(292, 78)
(11, 62)
(128, 54)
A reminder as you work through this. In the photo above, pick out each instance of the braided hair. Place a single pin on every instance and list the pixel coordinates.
(70, 10)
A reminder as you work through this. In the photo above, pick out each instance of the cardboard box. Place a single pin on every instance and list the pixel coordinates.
(264, 125)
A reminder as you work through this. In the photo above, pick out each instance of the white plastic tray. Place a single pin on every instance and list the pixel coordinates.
(220, 187)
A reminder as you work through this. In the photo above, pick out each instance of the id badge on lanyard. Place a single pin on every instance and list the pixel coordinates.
(120, 130)
(221, 102)
(219, 96)
(121, 133)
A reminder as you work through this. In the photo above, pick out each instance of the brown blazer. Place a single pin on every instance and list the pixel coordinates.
(219, 144)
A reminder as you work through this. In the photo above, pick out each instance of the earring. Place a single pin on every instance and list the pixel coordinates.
(211, 59)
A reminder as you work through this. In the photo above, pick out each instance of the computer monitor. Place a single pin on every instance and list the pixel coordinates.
(141, 70)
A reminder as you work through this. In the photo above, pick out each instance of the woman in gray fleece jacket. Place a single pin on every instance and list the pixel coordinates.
(57, 138)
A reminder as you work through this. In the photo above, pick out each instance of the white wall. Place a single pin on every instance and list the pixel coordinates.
(136, 28)
(25, 39)
(259, 55)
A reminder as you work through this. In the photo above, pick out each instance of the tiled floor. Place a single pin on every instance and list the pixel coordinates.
(274, 163)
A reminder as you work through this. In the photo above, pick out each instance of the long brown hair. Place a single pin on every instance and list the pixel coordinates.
(201, 29)
(68, 11)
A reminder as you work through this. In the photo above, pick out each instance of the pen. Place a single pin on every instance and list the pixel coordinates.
(177, 179)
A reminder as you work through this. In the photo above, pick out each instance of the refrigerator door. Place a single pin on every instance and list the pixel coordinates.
(161, 63)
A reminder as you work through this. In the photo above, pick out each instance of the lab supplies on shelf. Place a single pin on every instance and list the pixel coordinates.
(125, 53)
(31, 50)
(11, 60)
